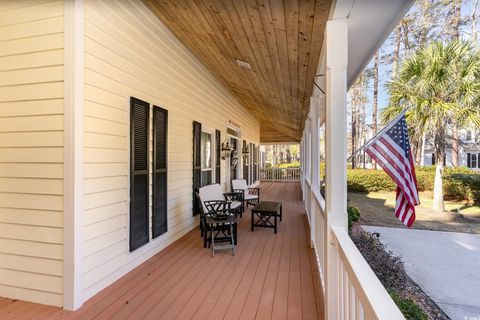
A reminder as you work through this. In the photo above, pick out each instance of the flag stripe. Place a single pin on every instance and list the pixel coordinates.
(391, 150)
(393, 160)
(389, 167)
(409, 167)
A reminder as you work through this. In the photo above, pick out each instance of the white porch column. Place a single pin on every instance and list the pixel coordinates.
(336, 45)
(315, 163)
(314, 157)
(73, 153)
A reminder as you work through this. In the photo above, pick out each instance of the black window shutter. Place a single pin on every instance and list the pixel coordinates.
(159, 207)
(255, 163)
(245, 163)
(139, 184)
(469, 157)
(250, 176)
(433, 159)
(197, 163)
(218, 143)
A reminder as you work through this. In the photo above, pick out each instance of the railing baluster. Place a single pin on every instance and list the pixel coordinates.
(280, 174)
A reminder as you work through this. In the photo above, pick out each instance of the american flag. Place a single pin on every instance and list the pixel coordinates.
(391, 150)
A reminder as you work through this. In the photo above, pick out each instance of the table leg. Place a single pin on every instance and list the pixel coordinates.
(212, 236)
(281, 212)
(252, 221)
(275, 217)
(232, 238)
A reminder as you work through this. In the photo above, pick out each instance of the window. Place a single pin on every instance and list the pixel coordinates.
(233, 132)
(206, 158)
(146, 168)
(469, 135)
(474, 161)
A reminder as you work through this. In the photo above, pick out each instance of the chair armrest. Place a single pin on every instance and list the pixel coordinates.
(216, 205)
(233, 196)
(218, 209)
(255, 191)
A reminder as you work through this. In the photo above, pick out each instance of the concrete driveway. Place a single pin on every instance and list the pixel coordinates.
(446, 265)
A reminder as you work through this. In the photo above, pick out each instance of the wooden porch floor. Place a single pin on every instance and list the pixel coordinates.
(271, 277)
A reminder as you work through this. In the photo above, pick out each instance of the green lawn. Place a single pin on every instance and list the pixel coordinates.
(377, 208)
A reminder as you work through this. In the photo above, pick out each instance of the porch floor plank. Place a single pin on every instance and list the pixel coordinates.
(272, 276)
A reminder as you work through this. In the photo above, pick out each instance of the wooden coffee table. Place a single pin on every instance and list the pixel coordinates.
(263, 212)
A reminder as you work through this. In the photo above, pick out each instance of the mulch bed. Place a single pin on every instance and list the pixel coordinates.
(429, 306)
(390, 271)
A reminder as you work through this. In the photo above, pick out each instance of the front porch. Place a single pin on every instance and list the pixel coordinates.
(271, 277)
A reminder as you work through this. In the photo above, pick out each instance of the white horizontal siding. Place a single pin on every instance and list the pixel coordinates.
(31, 150)
(128, 52)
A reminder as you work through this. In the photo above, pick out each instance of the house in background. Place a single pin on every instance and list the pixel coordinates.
(112, 113)
(469, 150)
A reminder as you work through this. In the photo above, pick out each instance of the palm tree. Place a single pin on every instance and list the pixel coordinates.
(438, 83)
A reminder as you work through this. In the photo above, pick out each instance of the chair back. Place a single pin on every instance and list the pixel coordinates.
(239, 184)
(211, 192)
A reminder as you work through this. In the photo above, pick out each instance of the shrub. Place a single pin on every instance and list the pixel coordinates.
(353, 215)
(458, 183)
(462, 186)
(362, 180)
(408, 307)
(289, 165)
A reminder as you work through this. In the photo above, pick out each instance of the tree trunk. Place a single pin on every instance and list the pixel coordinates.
(474, 23)
(455, 34)
(396, 50)
(406, 42)
(361, 121)
(439, 140)
(422, 159)
(426, 21)
(354, 130)
(455, 147)
(418, 151)
(455, 19)
(375, 100)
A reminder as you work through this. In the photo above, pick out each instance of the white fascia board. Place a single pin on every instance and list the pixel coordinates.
(370, 22)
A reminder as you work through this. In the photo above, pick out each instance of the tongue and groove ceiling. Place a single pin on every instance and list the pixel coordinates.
(281, 40)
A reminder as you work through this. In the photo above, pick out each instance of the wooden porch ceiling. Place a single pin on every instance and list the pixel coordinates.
(281, 40)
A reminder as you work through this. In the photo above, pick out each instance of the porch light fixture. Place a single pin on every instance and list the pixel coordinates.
(226, 150)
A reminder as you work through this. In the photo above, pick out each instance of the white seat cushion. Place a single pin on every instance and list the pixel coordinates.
(210, 193)
(250, 196)
(235, 204)
(239, 184)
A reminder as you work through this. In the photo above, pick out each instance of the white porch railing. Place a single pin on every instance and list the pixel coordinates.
(359, 293)
(279, 174)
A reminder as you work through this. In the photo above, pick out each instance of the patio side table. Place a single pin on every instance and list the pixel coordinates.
(263, 212)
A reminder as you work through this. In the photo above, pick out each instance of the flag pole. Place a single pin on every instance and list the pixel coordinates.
(388, 126)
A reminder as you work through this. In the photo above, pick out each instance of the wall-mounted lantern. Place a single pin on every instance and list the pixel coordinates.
(226, 150)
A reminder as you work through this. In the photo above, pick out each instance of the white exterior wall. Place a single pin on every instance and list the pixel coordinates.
(31, 154)
(128, 52)
(462, 158)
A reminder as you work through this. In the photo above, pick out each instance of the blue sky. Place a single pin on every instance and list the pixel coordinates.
(385, 69)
